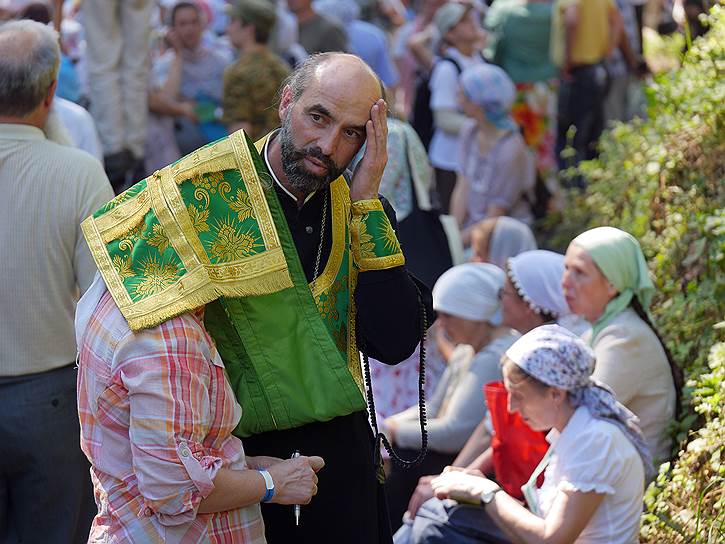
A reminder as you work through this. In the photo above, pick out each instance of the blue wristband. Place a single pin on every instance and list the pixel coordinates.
(269, 484)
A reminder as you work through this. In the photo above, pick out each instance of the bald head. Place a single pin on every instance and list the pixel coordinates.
(29, 60)
(328, 68)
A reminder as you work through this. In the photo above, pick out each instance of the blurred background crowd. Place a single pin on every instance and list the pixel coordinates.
(490, 103)
(160, 78)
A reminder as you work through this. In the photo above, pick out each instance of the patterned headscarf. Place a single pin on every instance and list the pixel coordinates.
(619, 257)
(489, 87)
(559, 358)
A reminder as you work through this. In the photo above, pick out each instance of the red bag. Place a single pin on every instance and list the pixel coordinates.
(517, 449)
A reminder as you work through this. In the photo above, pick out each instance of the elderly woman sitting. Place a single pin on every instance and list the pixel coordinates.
(466, 300)
(531, 296)
(607, 282)
(502, 444)
(594, 470)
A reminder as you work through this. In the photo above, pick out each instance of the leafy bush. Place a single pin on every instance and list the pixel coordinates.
(687, 503)
(663, 180)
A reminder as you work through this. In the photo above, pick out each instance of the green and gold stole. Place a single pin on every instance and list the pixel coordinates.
(209, 230)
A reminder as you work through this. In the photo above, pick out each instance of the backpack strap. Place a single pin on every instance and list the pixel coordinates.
(452, 60)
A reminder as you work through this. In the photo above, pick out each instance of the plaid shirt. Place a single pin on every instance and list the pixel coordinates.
(156, 414)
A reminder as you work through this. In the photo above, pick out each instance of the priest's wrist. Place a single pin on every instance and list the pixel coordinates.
(354, 197)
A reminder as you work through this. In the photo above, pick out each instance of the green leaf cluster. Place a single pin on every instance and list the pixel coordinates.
(686, 503)
(663, 180)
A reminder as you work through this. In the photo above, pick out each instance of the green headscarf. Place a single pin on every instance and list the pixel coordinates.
(620, 258)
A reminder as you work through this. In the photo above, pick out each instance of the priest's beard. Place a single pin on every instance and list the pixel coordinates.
(293, 163)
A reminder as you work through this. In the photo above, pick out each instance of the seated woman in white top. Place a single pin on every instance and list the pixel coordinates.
(466, 300)
(607, 282)
(594, 471)
(531, 297)
(496, 171)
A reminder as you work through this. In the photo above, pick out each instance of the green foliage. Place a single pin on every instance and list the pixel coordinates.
(662, 52)
(663, 180)
(687, 502)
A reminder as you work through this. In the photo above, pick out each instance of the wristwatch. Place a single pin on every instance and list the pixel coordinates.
(487, 496)
(268, 484)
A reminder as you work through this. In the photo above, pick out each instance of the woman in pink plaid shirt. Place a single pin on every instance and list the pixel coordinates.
(157, 413)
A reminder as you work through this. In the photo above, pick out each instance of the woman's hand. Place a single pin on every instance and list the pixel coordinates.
(422, 493)
(295, 480)
(462, 486)
(262, 461)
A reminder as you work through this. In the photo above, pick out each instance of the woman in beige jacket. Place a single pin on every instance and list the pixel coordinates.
(606, 281)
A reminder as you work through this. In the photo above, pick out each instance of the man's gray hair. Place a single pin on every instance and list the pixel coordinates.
(299, 80)
(29, 61)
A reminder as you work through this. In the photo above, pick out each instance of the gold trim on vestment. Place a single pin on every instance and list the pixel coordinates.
(353, 354)
(255, 190)
(122, 219)
(97, 247)
(380, 263)
(361, 207)
(210, 158)
(193, 253)
(200, 281)
(339, 198)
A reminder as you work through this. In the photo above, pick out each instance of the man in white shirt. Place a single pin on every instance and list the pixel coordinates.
(80, 126)
(47, 188)
(460, 29)
(186, 89)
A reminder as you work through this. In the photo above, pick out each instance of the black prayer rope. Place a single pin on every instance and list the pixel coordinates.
(380, 437)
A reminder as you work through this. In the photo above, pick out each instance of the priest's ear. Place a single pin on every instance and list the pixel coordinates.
(286, 102)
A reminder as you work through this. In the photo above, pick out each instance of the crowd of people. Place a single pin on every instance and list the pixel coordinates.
(237, 231)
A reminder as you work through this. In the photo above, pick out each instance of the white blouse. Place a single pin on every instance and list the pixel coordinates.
(595, 455)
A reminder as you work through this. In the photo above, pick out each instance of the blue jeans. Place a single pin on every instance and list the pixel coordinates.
(46, 493)
(447, 522)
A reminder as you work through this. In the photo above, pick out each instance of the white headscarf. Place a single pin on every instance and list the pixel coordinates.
(536, 276)
(509, 238)
(470, 291)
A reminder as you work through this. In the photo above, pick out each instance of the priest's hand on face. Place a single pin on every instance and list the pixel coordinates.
(369, 171)
(457, 484)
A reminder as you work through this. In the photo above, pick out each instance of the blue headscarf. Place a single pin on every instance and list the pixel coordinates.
(490, 88)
